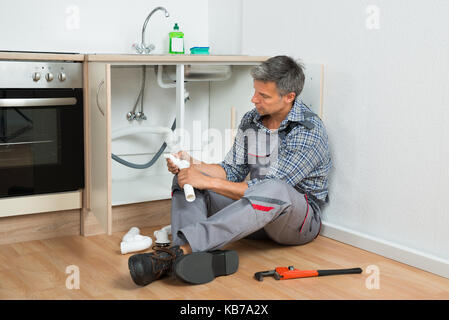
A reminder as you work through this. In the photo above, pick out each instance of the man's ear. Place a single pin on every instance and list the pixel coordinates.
(290, 97)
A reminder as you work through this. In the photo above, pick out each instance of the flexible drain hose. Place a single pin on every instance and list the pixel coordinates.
(148, 164)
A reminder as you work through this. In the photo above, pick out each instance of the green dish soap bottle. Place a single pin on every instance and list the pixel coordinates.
(176, 41)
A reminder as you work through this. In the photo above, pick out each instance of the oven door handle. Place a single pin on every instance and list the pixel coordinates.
(37, 102)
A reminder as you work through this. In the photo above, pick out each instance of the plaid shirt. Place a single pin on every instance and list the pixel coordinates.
(303, 158)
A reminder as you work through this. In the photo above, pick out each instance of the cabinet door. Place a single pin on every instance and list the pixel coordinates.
(99, 159)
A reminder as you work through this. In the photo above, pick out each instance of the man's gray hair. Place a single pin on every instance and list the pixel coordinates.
(282, 70)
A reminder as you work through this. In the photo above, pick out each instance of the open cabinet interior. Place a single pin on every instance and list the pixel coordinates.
(133, 106)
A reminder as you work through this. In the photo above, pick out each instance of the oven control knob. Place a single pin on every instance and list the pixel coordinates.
(36, 76)
(49, 76)
(62, 76)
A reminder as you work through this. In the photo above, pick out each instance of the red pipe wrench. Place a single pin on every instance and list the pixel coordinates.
(283, 273)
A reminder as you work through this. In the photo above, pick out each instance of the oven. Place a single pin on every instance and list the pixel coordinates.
(41, 127)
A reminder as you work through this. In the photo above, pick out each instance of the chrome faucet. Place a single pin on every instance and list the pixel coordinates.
(143, 48)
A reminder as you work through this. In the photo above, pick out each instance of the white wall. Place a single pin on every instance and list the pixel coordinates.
(386, 108)
(100, 26)
(225, 26)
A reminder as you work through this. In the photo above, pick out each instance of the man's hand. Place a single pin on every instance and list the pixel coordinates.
(194, 177)
(172, 167)
(206, 176)
(183, 155)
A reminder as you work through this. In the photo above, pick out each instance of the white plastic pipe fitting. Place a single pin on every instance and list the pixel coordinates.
(167, 229)
(162, 236)
(129, 236)
(132, 241)
(182, 164)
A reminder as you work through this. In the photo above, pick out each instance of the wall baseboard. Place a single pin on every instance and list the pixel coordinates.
(403, 254)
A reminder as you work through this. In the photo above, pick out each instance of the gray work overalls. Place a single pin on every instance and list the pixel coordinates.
(270, 208)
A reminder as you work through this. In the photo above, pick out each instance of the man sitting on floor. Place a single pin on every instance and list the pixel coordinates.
(283, 145)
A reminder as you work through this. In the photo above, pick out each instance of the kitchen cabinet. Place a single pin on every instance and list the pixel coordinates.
(97, 191)
(217, 105)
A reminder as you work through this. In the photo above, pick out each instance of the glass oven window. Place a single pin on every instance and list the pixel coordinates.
(41, 141)
(29, 136)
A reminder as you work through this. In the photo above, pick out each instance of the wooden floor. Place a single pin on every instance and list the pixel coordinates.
(37, 270)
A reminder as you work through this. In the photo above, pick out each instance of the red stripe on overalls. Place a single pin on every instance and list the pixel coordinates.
(258, 156)
(262, 208)
(307, 201)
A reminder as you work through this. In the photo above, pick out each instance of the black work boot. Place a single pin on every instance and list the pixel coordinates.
(147, 267)
(203, 267)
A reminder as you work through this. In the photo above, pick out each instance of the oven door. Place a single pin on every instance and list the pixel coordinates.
(41, 141)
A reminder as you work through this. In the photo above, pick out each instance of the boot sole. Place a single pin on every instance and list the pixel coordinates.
(136, 271)
(203, 267)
